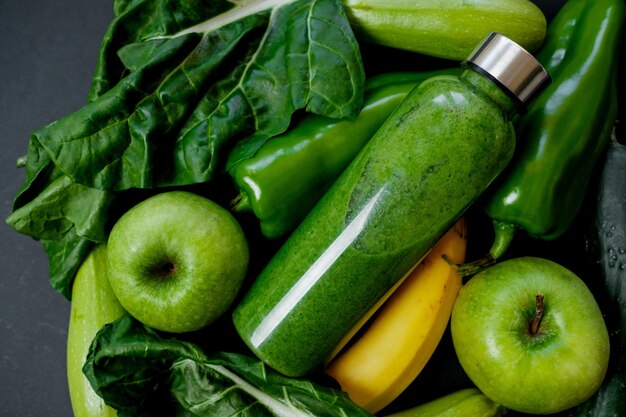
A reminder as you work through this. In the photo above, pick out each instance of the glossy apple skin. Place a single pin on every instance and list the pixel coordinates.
(176, 261)
(560, 366)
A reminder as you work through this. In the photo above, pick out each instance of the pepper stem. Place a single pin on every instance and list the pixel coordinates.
(534, 326)
(504, 234)
(241, 203)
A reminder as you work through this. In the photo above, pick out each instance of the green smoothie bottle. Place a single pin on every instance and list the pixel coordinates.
(437, 152)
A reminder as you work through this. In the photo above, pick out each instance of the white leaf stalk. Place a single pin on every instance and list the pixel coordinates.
(243, 8)
(277, 407)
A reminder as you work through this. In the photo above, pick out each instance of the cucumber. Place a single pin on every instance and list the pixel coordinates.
(607, 247)
(445, 29)
(93, 305)
(469, 402)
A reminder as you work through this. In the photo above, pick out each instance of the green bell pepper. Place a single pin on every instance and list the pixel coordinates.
(563, 133)
(288, 175)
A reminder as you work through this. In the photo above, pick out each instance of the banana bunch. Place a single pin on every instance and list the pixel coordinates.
(398, 342)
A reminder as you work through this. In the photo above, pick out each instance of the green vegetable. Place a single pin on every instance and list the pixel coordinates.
(288, 175)
(449, 29)
(64, 258)
(93, 305)
(167, 101)
(565, 130)
(468, 402)
(167, 120)
(137, 20)
(140, 373)
(67, 247)
(608, 248)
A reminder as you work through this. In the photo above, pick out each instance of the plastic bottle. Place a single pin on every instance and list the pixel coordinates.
(434, 156)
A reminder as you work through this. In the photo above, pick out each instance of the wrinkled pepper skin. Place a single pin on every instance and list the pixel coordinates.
(288, 175)
(565, 130)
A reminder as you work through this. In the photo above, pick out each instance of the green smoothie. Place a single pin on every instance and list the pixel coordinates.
(427, 164)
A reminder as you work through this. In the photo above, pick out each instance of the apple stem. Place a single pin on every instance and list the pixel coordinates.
(534, 328)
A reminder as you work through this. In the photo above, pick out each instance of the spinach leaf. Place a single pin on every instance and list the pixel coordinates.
(141, 373)
(168, 103)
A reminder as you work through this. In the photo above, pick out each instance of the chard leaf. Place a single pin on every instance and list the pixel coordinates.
(67, 218)
(68, 231)
(140, 373)
(120, 140)
(289, 70)
(190, 95)
(136, 20)
(120, 6)
(168, 103)
(62, 206)
(65, 256)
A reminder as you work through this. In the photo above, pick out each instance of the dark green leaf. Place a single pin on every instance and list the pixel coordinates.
(122, 139)
(51, 209)
(138, 371)
(40, 172)
(120, 6)
(316, 67)
(167, 104)
(64, 247)
(168, 121)
(128, 365)
(65, 257)
(136, 20)
(61, 206)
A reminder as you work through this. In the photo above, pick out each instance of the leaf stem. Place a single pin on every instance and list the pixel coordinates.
(21, 161)
(241, 10)
(534, 327)
(281, 407)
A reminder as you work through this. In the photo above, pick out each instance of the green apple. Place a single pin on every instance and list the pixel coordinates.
(530, 335)
(176, 261)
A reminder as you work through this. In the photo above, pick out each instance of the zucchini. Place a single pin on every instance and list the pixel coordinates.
(93, 305)
(445, 29)
(469, 402)
(608, 249)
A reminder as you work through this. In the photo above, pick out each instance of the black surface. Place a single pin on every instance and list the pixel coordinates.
(48, 52)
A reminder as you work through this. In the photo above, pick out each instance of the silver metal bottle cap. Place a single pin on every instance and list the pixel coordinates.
(509, 65)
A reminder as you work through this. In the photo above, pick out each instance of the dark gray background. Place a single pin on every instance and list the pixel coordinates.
(48, 51)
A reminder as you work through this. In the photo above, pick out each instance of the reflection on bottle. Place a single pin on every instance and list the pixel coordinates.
(314, 273)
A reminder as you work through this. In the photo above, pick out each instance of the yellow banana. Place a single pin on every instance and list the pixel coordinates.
(399, 341)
